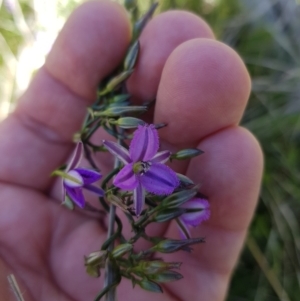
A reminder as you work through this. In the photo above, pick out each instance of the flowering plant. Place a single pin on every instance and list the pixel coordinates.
(141, 184)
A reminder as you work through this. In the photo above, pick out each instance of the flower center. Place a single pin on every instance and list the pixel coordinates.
(141, 167)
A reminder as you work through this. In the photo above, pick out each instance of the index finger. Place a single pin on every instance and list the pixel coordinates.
(37, 137)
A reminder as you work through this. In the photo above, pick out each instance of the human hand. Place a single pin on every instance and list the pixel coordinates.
(201, 88)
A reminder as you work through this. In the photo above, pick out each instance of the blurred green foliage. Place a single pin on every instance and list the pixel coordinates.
(266, 33)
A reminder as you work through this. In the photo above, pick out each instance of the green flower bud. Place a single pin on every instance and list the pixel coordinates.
(156, 266)
(168, 214)
(115, 82)
(132, 56)
(119, 98)
(94, 262)
(166, 276)
(187, 154)
(96, 258)
(160, 125)
(129, 122)
(121, 250)
(172, 245)
(141, 23)
(184, 180)
(93, 271)
(150, 286)
(118, 111)
(179, 198)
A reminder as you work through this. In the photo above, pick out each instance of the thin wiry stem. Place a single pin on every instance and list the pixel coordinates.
(15, 288)
(109, 279)
(268, 272)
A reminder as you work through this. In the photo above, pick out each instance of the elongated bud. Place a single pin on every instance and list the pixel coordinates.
(160, 125)
(179, 198)
(141, 23)
(132, 56)
(172, 245)
(184, 180)
(96, 258)
(150, 286)
(129, 122)
(187, 154)
(117, 111)
(168, 214)
(121, 250)
(115, 82)
(119, 98)
(155, 266)
(166, 276)
(94, 262)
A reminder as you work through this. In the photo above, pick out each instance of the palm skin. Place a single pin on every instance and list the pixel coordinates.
(201, 88)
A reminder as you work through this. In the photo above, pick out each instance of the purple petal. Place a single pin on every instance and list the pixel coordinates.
(76, 157)
(95, 189)
(89, 176)
(196, 218)
(118, 151)
(138, 199)
(159, 179)
(161, 157)
(144, 144)
(126, 179)
(76, 196)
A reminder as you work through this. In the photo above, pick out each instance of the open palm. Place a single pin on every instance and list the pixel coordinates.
(201, 88)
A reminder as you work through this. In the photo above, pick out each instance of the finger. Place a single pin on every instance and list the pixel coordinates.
(230, 172)
(204, 88)
(160, 37)
(37, 137)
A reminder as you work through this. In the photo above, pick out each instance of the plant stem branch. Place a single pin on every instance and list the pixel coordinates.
(15, 288)
(109, 279)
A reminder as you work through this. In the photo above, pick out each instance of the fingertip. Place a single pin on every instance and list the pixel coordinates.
(230, 171)
(160, 37)
(204, 88)
(90, 45)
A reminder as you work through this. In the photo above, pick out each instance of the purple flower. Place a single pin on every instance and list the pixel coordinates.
(144, 169)
(75, 178)
(194, 219)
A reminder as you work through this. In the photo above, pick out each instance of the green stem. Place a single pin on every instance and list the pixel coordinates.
(111, 293)
(109, 177)
(106, 290)
(268, 272)
(109, 279)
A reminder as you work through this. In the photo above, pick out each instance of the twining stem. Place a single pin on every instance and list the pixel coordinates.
(15, 288)
(109, 279)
